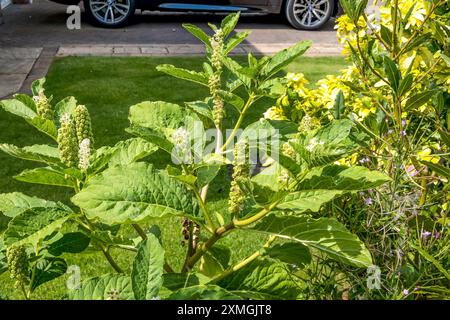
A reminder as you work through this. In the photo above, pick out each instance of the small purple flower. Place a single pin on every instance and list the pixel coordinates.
(426, 234)
(405, 292)
(412, 171)
(403, 133)
(368, 201)
(390, 131)
(437, 235)
(364, 160)
(403, 123)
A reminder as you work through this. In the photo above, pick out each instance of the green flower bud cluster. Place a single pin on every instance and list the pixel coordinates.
(83, 124)
(241, 172)
(288, 151)
(67, 141)
(308, 123)
(43, 106)
(217, 50)
(214, 79)
(18, 265)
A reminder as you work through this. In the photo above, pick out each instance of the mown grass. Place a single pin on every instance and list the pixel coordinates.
(108, 87)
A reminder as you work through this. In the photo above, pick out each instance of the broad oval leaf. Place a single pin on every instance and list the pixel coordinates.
(184, 74)
(39, 153)
(203, 292)
(324, 234)
(133, 193)
(307, 200)
(18, 108)
(263, 276)
(130, 151)
(106, 287)
(46, 270)
(283, 58)
(146, 276)
(335, 177)
(15, 203)
(72, 242)
(45, 175)
(33, 225)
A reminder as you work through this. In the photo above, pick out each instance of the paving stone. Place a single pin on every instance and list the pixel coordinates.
(85, 51)
(127, 50)
(19, 53)
(10, 83)
(10, 66)
(154, 50)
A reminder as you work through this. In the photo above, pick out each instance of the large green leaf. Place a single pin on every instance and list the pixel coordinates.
(46, 270)
(284, 57)
(335, 177)
(45, 126)
(18, 108)
(133, 193)
(234, 41)
(419, 99)
(66, 105)
(229, 23)
(327, 144)
(106, 287)
(45, 175)
(13, 204)
(184, 74)
(39, 153)
(157, 121)
(307, 200)
(324, 234)
(130, 151)
(392, 72)
(198, 33)
(33, 225)
(264, 276)
(37, 86)
(290, 253)
(72, 242)
(146, 276)
(203, 292)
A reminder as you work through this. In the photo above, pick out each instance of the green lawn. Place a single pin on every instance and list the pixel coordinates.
(108, 87)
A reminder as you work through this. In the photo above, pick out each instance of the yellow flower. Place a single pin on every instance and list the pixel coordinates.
(425, 155)
(275, 113)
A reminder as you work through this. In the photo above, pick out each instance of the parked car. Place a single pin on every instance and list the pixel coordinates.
(301, 14)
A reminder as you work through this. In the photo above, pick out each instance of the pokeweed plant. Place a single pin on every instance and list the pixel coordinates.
(278, 193)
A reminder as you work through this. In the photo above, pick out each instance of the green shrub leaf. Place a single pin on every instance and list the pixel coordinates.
(106, 287)
(133, 193)
(34, 224)
(324, 234)
(146, 276)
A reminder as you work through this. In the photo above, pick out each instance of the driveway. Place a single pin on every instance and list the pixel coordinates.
(41, 27)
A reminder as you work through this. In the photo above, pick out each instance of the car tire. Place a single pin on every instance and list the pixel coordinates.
(309, 14)
(109, 13)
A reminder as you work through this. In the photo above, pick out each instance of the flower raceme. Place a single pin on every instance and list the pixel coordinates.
(83, 124)
(43, 106)
(241, 172)
(18, 265)
(68, 142)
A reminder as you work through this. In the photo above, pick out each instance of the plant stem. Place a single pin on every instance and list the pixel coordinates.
(244, 262)
(140, 231)
(201, 249)
(256, 217)
(249, 102)
(111, 261)
(209, 221)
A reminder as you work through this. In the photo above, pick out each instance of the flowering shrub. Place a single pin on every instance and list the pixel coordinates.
(116, 186)
(396, 90)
